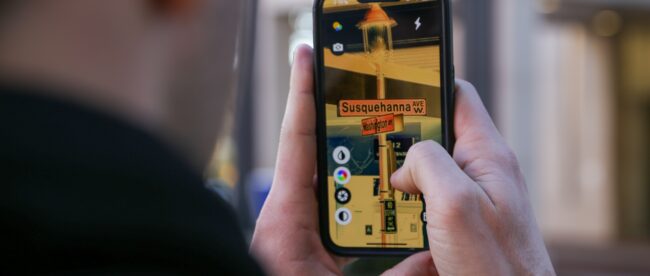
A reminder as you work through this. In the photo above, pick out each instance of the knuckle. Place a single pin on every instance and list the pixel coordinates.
(504, 155)
(456, 211)
(423, 151)
(461, 202)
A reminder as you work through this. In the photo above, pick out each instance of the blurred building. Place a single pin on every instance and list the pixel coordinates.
(568, 84)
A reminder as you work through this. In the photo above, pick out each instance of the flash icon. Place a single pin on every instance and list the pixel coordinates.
(417, 24)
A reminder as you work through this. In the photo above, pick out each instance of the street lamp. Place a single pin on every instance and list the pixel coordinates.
(378, 41)
(378, 48)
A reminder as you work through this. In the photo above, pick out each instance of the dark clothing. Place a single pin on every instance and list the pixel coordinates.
(82, 192)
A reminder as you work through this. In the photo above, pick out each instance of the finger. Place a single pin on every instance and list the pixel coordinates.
(418, 264)
(471, 117)
(474, 128)
(296, 160)
(430, 170)
(480, 149)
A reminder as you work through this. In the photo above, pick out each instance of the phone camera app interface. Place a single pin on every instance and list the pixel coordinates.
(382, 94)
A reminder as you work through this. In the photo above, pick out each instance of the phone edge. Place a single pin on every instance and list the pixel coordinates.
(448, 139)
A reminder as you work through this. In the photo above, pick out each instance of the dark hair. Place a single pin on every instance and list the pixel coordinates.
(6, 7)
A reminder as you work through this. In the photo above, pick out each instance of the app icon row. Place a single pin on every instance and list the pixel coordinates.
(338, 48)
(342, 176)
(342, 156)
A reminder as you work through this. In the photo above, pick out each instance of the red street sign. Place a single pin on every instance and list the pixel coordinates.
(382, 124)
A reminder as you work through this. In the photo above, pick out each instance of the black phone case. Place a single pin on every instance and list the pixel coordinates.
(448, 138)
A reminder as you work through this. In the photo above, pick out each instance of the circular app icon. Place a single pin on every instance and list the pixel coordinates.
(343, 216)
(342, 195)
(423, 216)
(341, 155)
(337, 26)
(342, 175)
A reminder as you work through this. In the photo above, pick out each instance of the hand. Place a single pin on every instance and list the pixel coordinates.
(479, 217)
(287, 238)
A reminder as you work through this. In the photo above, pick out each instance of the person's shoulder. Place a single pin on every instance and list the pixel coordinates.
(84, 191)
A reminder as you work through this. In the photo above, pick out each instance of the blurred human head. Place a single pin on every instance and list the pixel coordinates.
(166, 65)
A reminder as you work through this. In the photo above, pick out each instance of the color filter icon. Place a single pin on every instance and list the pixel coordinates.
(342, 175)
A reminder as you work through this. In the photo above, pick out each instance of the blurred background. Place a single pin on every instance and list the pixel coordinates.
(567, 83)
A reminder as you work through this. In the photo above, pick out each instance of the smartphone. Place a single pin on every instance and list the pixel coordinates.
(384, 80)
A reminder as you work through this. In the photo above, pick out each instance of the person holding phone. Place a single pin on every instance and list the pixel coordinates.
(480, 217)
(108, 114)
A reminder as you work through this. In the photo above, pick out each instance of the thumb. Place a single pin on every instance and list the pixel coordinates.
(418, 264)
(430, 170)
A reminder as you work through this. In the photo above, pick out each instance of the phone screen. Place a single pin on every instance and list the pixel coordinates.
(382, 92)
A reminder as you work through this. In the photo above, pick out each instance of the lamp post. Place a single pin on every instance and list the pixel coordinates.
(378, 48)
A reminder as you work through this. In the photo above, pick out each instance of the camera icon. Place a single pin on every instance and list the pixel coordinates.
(338, 49)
